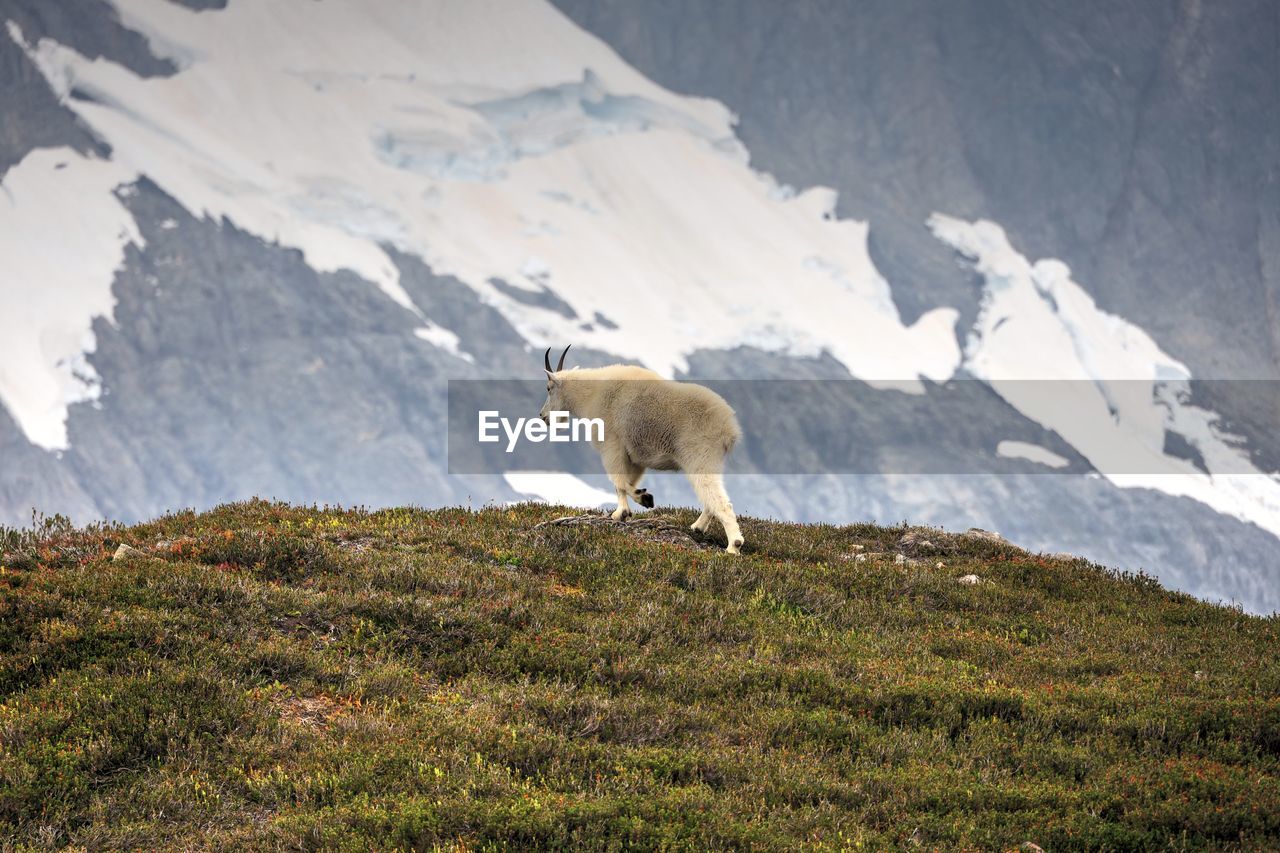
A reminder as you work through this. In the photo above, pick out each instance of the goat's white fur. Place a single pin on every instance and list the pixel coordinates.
(651, 422)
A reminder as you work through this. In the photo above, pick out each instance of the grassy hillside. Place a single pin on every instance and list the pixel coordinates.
(265, 676)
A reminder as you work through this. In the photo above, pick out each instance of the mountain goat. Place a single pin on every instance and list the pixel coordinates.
(651, 422)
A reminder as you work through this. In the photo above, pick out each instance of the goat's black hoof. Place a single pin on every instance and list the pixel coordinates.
(646, 499)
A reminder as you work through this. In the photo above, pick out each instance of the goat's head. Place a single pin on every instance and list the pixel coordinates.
(555, 400)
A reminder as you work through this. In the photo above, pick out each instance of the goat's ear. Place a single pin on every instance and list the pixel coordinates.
(552, 379)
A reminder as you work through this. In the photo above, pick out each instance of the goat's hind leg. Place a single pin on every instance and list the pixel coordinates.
(715, 500)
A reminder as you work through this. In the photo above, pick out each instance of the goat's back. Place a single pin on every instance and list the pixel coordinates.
(668, 425)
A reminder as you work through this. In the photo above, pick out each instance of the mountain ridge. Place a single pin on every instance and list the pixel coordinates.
(263, 675)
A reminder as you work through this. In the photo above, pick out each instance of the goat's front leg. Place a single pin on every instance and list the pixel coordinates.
(622, 473)
(623, 511)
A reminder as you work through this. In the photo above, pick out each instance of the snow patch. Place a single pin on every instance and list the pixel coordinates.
(1011, 449)
(63, 232)
(556, 487)
(440, 337)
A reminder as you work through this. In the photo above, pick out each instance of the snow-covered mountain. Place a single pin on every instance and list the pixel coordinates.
(245, 244)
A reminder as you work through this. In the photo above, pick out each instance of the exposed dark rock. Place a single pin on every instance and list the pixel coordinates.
(1138, 141)
(541, 298)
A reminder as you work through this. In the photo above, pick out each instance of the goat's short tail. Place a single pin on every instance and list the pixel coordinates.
(731, 440)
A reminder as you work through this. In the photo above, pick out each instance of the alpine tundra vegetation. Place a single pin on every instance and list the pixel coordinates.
(263, 676)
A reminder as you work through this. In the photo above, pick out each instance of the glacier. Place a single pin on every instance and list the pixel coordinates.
(1097, 380)
(535, 148)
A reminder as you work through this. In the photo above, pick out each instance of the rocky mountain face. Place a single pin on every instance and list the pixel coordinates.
(1137, 142)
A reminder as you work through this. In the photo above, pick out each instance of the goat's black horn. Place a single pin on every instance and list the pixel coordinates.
(560, 365)
(546, 359)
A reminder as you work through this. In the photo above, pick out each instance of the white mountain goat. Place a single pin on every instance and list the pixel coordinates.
(651, 422)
